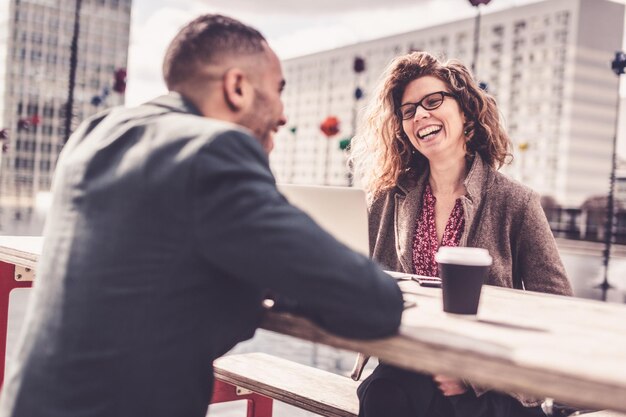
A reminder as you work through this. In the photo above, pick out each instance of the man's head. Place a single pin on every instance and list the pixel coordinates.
(229, 72)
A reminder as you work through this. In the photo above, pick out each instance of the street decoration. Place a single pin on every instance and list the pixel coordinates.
(619, 63)
(359, 65)
(330, 126)
(119, 85)
(4, 139)
(97, 100)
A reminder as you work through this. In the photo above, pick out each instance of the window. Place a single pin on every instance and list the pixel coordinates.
(539, 39)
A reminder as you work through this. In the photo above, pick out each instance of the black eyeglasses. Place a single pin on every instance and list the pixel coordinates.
(429, 102)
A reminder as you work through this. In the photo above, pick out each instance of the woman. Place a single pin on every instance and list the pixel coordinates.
(428, 154)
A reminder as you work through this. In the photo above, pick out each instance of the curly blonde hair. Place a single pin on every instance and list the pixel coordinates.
(381, 152)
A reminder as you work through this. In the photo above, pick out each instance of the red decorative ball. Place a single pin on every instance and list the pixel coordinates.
(330, 126)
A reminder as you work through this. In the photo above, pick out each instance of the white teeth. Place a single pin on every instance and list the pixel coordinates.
(428, 130)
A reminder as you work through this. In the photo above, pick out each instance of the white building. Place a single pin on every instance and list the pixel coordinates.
(35, 42)
(547, 64)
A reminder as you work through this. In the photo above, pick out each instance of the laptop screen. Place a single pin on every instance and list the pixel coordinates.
(341, 211)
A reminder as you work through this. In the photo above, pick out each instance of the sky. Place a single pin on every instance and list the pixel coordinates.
(292, 27)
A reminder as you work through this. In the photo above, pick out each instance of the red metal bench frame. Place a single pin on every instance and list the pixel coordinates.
(258, 405)
(7, 284)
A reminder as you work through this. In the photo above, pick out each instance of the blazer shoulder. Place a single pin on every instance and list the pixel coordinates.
(236, 143)
(195, 133)
(506, 189)
(191, 125)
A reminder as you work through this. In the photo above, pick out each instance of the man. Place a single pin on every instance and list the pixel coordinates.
(165, 235)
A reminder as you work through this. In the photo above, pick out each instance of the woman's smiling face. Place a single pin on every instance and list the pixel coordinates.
(437, 134)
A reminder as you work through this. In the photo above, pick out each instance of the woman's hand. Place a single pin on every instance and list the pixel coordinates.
(450, 386)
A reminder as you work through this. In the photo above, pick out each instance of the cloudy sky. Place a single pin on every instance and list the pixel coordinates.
(293, 27)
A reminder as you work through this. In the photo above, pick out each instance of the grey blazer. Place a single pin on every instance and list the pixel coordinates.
(166, 233)
(501, 215)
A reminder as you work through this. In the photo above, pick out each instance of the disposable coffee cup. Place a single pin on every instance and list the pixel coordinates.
(462, 271)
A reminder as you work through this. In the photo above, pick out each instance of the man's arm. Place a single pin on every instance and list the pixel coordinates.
(246, 228)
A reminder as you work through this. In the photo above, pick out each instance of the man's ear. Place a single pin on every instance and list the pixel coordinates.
(237, 89)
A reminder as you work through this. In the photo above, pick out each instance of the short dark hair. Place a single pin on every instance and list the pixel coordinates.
(205, 40)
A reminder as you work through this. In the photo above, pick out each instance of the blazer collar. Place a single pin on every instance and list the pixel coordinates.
(478, 179)
(408, 206)
(175, 102)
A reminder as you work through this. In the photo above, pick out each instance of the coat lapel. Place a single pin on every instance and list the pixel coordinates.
(475, 184)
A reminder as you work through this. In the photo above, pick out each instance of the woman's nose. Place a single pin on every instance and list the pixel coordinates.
(420, 113)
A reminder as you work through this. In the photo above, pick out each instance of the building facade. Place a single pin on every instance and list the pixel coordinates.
(546, 63)
(35, 49)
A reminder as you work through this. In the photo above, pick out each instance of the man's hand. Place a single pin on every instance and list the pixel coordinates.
(450, 386)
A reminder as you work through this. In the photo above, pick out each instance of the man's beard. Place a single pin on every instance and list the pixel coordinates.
(260, 126)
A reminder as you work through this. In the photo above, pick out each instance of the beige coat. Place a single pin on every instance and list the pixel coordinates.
(501, 215)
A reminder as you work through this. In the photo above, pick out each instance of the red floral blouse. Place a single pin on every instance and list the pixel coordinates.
(425, 243)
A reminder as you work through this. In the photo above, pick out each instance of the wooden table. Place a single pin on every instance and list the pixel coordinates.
(569, 349)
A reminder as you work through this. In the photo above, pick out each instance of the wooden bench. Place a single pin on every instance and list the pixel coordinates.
(301, 386)
(311, 389)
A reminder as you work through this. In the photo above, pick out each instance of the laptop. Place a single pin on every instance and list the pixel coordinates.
(341, 211)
